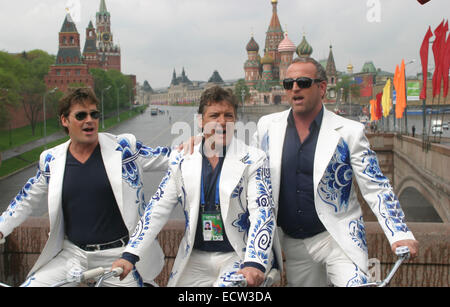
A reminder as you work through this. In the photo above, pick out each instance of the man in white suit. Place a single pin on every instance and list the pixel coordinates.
(94, 189)
(315, 156)
(224, 189)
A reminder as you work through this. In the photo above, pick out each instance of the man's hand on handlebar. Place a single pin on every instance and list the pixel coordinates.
(413, 246)
(253, 276)
(125, 265)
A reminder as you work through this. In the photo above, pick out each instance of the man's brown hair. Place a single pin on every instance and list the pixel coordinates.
(80, 95)
(217, 94)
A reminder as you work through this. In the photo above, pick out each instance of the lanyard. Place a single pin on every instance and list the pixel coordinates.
(216, 197)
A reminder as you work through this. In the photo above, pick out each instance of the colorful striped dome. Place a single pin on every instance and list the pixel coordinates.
(304, 49)
(252, 45)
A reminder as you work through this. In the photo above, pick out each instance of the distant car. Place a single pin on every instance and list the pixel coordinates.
(154, 111)
(445, 126)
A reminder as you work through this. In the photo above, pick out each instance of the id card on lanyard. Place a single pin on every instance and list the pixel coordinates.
(212, 224)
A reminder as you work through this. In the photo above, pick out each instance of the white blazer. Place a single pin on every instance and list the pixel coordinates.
(342, 156)
(245, 202)
(125, 159)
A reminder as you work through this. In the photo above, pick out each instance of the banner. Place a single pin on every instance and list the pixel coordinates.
(413, 90)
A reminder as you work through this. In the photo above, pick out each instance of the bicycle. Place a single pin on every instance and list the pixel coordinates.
(403, 254)
(93, 278)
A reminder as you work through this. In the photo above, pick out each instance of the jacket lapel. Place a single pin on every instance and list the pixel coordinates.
(326, 145)
(277, 133)
(112, 160)
(57, 168)
(192, 172)
(232, 170)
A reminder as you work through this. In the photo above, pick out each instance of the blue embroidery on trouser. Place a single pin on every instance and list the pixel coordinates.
(358, 279)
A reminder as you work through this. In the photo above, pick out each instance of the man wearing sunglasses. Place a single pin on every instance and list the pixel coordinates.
(315, 157)
(94, 189)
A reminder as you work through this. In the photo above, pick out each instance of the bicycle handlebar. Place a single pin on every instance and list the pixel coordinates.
(403, 254)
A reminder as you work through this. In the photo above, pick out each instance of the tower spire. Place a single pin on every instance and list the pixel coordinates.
(103, 8)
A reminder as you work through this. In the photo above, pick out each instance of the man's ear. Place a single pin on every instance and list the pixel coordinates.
(323, 89)
(64, 121)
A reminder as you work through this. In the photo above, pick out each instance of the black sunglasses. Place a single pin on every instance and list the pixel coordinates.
(302, 82)
(83, 114)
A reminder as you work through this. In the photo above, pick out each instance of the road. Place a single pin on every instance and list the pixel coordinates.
(151, 130)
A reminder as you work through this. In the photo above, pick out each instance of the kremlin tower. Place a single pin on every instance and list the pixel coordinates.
(69, 68)
(72, 68)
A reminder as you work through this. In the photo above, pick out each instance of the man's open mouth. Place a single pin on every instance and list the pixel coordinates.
(298, 98)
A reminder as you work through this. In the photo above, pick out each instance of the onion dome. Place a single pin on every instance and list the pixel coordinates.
(350, 67)
(267, 59)
(252, 45)
(286, 44)
(304, 49)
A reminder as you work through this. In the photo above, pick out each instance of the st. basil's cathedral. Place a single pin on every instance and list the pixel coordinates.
(264, 75)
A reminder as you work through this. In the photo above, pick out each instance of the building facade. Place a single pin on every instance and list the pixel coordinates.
(71, 67)
(264, 75)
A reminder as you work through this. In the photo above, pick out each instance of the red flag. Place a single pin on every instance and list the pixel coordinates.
(424, 58)
(438, 51)
(378, 109)
(446, 66)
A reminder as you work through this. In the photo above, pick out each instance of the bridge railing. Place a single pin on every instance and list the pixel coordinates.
(430, 269)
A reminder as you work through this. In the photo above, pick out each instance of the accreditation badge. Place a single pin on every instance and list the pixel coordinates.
(212, 227)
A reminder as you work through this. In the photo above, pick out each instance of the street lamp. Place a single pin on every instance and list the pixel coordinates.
(45, 121)
(406, 97)
(243, 100)
(131, 106)
(103, 113)
(118, 113)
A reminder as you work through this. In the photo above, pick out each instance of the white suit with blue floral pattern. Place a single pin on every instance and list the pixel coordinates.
(342, 155)
(245, 202)
(124, 159)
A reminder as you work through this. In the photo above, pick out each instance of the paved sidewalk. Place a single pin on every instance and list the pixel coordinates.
(11, 153)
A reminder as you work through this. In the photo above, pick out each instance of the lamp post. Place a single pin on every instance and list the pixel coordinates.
(131, 105)
(45, 121)
(103, 113)
(243, 100)
(118, 112)
(406, 98)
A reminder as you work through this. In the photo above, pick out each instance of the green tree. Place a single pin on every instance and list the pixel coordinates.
(8, 96)
(120, 89)
(32, 87)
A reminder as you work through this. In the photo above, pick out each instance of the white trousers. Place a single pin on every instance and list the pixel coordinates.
(208, 269)
(319, 262)
(71, 255)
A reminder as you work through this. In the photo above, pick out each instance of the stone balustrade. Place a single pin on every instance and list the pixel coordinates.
(429, 269)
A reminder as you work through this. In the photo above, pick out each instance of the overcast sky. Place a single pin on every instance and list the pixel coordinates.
(157, 37)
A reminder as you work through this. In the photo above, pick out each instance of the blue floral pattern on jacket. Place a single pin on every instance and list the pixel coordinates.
(335, 186)
(260, 238)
